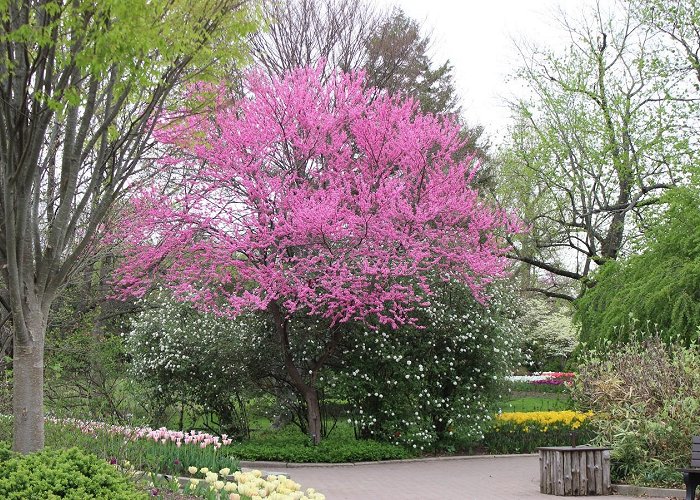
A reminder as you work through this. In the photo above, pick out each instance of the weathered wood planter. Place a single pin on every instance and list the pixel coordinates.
(574, 470)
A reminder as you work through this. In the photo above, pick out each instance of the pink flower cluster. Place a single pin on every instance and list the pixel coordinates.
(161, 435)
(316, 194)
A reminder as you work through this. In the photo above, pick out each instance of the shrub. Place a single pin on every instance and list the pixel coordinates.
(644, 396)
(191, 359)
(331, 450)
(71, 474)
(416, 385)
(5, 451)
(86, 376)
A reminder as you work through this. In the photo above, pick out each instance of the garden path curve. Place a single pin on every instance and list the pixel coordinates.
(453, 478)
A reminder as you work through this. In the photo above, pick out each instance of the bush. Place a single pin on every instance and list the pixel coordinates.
(644, 396)
(289, 445)
(71, 474)
(192, 360)
(86, 376)
(418, 385)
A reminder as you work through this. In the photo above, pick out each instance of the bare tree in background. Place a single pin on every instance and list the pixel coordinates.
(304, 32)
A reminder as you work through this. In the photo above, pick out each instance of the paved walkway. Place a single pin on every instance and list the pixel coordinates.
(463, 478)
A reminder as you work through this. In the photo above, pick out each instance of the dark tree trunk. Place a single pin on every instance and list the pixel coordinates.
(307, 390)
(313, 413)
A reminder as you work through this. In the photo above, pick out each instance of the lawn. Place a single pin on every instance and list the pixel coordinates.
(541, 402)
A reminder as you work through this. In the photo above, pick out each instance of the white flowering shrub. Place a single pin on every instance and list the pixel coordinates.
(548, 333)
(418, 384)
(192, 359)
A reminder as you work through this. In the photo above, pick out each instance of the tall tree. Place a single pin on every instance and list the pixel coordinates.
(679, 21)
(602, 135)
(656, 291)
(79, 84)
(397, 60)
(306, 32)
(316, 198)
(351, 35)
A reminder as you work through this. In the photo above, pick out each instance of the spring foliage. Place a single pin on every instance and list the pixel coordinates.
(657, 290)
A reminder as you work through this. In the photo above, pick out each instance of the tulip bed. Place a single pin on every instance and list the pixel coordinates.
(158, 450)
(524, 432)
(251, 485)
(132, 450)
(541, 383)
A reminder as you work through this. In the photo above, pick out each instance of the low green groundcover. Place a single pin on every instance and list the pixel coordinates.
(51, 474)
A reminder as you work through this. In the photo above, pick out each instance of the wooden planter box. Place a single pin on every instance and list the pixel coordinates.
(574, 470)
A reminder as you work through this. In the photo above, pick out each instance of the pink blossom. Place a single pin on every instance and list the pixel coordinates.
(317, 196)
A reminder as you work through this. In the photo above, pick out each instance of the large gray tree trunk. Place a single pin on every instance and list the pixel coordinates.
(28, 397)
(28, 384)
(313, 413)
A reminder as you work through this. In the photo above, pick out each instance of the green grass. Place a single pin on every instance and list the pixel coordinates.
(553, 402)
(290, 445)
(536, 388)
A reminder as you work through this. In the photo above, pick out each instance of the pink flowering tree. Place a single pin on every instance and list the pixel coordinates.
(315, 199)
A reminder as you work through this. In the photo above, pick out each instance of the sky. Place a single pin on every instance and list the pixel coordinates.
(478, 37)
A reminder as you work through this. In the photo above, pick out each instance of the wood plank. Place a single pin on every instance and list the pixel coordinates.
(566, 472)
(598, 471)
(552, 489)
(559, 474)
(590, 468)
(575, 461)
(543, 468)
(606, 472)
(696, 439)
(583, 474)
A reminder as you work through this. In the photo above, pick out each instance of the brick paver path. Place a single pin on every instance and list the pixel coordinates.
(470, 478)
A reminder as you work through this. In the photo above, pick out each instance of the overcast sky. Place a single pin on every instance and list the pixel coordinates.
(477, 37)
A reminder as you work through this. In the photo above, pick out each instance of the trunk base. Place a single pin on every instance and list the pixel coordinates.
(28, 397)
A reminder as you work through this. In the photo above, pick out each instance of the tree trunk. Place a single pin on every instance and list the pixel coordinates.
(313, 412)
(308, 391)
(28, 396)
(28, 377)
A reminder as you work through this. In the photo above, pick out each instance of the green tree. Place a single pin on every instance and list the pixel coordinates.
(548, 334)
(79, 85)
(420, 384)
(397, 60)
(193, 361)
(679, 22)
(655, 291)
(601, 136)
